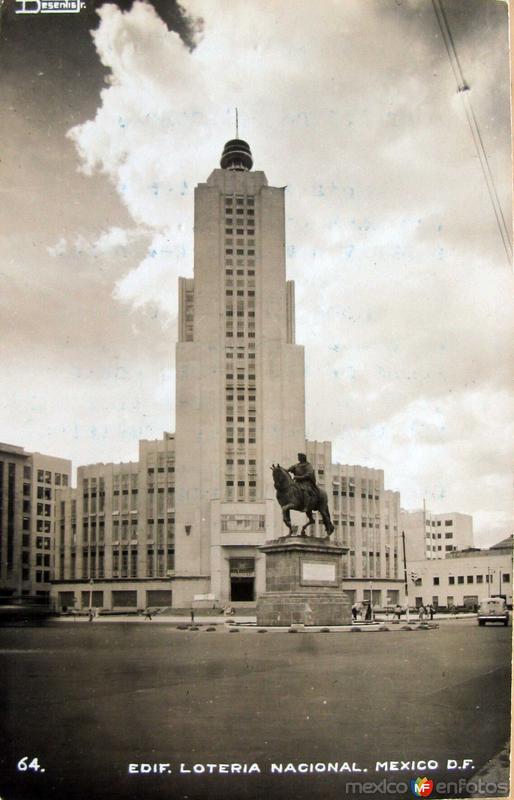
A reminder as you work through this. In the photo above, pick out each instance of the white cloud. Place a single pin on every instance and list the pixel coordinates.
(58, 249)
(402, 287)
(108, 242)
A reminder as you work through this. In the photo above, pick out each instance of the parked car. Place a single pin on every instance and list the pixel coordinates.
(493, 609)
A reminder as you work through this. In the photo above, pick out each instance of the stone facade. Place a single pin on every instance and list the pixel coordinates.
(240, 400)
(303, 583)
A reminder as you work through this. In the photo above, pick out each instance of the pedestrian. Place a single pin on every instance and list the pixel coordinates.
(91, 615)
(431, 611)
(398, 611)
(421, 612)
(148, 613)
(368, 612)
(355, 611)
(192, 616)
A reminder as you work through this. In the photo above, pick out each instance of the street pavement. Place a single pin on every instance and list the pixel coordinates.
(89, 700)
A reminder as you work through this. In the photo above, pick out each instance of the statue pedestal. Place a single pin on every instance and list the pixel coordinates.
(303, 583)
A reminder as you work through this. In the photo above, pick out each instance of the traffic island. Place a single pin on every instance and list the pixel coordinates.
(303, 583)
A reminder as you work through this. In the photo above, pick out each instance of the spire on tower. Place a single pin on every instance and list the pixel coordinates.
(236, 153)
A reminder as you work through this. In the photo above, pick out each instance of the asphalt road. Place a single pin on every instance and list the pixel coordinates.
(88, 700)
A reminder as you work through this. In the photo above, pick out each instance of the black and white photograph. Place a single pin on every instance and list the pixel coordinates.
(256, 408)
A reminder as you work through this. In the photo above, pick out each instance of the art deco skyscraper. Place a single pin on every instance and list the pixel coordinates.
(240, 398)
(187, 519)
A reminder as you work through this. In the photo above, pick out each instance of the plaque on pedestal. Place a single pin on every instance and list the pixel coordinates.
(303, 583)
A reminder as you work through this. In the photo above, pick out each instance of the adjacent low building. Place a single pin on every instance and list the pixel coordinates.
(463, 578)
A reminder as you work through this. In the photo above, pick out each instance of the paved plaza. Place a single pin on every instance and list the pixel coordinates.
(90, 699)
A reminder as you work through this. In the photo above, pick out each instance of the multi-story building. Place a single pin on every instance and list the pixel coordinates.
(429, 535)
(188, 518)
(28, 486)
(240, 382)
(463, 578)
(115, 533)
(366, 520)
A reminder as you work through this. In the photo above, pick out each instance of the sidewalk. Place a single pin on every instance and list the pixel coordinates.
(245, 624)
(250, 621)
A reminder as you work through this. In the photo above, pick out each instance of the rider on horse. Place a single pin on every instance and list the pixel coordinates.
(304, 475)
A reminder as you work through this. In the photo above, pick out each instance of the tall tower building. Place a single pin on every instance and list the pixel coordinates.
(185, 522)
(240, 397)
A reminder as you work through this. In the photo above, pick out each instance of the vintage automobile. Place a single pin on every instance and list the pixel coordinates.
(493, 609)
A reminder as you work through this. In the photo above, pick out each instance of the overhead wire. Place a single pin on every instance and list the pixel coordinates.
(464, 89)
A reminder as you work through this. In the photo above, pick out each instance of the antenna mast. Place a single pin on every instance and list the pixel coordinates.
(237, 124)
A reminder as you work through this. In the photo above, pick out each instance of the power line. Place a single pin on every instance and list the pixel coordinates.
(463, 89)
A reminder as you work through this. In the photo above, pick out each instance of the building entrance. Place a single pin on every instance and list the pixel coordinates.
(242, 580)
(242, 590)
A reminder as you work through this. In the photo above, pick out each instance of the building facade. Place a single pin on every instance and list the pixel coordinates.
(366, 517)
(435, 536)
(240, 398)
(187, 519)
(115, 533)
(29, 483)
(463, 578)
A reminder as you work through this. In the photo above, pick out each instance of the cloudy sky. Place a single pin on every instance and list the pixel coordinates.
(110, 118)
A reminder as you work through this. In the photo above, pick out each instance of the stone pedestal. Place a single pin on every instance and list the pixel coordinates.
(303, 583)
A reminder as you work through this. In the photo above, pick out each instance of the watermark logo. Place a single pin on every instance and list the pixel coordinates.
(49, 6)
(421, 787)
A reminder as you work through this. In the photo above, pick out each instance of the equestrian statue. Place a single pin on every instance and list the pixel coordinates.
(301, 494)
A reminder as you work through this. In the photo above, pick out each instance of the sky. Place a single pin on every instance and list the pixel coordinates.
(111, 117)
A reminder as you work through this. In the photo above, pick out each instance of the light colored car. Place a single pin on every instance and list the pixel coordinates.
(493, 609)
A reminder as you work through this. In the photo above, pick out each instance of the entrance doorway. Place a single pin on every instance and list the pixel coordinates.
(242, 590)
(242, 580)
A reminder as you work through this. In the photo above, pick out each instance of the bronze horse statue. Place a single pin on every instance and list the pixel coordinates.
(292, 497)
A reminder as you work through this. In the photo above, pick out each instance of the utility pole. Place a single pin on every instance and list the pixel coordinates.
(405, 579)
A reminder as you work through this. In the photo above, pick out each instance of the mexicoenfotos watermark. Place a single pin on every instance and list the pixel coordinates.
(49, 6)
(423, 787)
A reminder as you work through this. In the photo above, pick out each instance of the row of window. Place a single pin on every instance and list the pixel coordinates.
(488, 578)
(240, 355)
(240, 200)
(45, 476)
(242, 522)
(229, 272)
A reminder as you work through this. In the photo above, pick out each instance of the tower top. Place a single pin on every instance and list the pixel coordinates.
(237, 156)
